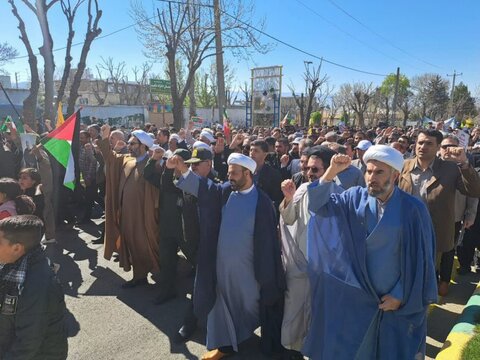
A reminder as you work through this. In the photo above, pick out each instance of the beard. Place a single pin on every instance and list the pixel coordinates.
(375, 190)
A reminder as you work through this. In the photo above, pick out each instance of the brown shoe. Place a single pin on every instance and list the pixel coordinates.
(443, 288)
(214, 355)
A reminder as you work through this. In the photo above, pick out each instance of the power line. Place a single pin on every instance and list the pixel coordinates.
(380, 35)
(97, 38)
(351, 35)
(282, 42)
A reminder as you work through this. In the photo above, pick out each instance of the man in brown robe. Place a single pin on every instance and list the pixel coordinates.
(131, 208)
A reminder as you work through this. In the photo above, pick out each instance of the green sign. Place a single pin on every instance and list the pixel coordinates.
(158, 86)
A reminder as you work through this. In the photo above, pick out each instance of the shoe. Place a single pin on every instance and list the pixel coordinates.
(48, 241)
(443, 288)
(185, 332)
(134, 283)
(116, 258)
(214, 355)
(164, 297)
(98, 241)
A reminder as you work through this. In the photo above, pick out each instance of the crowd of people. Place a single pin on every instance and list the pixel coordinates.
(332, 241)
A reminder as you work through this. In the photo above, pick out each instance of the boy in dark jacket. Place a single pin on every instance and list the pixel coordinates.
(32, 304)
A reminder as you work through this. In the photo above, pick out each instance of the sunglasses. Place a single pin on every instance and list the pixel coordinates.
(313, 169)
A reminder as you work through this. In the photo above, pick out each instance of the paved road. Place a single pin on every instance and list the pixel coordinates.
(108, 322)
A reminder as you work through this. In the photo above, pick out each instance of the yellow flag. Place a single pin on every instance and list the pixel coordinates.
(60, 119)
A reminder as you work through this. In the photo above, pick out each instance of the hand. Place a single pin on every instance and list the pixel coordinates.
(439, 125)
(89, 147)
(338, 163)
(467, 224)
(389, 303)
(190, 125)
(284, 160)
(456, 154)
(219, 145)
(119, 145)
(105, 129)
(237, 140)
(176, 162)
(157, 154)
(288, 190)
(388, 131)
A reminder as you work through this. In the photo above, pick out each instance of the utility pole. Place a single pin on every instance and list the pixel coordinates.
(454, 75)
(16, 80)
(395, 96)
(219, 60)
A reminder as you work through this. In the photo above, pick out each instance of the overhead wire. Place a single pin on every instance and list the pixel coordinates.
(282, 41)
(339, 28)
(380, 35)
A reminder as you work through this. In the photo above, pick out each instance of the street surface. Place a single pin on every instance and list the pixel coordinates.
(108, 322)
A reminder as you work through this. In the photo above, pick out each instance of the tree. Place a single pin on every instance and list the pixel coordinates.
(186, 31)
(405, 104)
(387, 91)
(30, 103)
(431, 95)
(93, 31)
(463, 102)
(314, 82)
(7, 53)
(357, 97)
(204, 91)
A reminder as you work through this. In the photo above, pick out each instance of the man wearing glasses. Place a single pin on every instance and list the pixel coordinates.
(294, 209)
(435, 182)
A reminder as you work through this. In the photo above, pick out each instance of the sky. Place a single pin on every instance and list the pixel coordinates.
(374, 36)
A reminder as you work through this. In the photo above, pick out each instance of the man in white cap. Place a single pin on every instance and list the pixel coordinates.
(371, 264)
(131, 207)
(360, 149)
(240, 281)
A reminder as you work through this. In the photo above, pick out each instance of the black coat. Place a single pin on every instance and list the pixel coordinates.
(269, 180)
(37, 330)
(268, 266)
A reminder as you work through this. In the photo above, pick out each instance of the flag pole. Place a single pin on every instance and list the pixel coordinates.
(10, 101)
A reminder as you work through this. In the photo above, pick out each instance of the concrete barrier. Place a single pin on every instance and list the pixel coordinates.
(463, 330)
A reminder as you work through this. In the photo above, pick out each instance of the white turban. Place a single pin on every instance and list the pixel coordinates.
(242, 160)
(385, 154)
(175, 137)
(200, 144)
(208, 135)
(143, 137)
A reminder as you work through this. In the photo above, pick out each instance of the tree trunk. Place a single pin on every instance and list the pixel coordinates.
(68, 63)
(49, 63)
(361, 119)
(30, 103)
(92, 32)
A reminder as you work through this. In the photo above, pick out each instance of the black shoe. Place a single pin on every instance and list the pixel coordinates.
(134, 282)
(98, 241)
(185, 332)
(116, 258)
(164, 297)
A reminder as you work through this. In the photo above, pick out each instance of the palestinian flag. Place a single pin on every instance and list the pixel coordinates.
(17, 125)
(63, 145)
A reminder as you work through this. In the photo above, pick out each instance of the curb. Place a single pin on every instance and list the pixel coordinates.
(462, 332)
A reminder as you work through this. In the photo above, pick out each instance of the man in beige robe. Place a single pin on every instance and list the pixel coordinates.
(131, 208)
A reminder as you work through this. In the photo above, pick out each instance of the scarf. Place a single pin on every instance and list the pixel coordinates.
(12, 276)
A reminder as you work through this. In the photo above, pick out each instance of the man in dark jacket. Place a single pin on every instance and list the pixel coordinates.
(240, 279)
(32, 304)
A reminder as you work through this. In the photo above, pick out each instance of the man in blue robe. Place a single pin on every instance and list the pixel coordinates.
(240, 280)
(371, 263)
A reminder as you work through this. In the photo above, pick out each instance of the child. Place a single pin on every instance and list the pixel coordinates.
(12, 202)
(30, 182)
(32, 303)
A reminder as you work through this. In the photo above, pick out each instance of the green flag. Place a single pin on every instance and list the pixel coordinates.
(16, 124)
